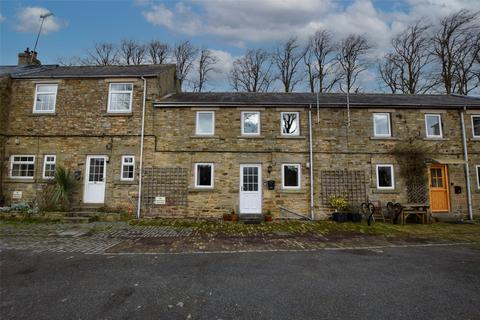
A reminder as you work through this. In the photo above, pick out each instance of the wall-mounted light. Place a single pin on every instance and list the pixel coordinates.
(269, 169)
(17, 141)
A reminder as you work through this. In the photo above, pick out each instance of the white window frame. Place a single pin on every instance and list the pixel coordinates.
(110, 91)
(297, 133)
(45, 93)
(22, 155)
(197, 132)
(384, 135)
(212, 179)
(473, 127)
(243, 124)
(439, 116)
(378, 180)
(45, 162)
(127, 163)
(478, 177)
(299, 175)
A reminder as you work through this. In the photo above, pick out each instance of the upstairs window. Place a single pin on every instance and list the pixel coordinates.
(128, 168)
(251, 123)
(381, 125)
(385, 176)
(476, 126)
(22, 167)
(433, 125)
(49, 167)
(204, 175)
(45, 98)
(120, 98)
(205, 123)
(291, 176)
(290, 124)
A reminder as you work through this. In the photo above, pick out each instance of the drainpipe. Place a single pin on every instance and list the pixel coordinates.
(140, 167)
(467, 167)
(312, 214)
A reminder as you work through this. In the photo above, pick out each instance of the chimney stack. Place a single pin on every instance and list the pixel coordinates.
(28, 58)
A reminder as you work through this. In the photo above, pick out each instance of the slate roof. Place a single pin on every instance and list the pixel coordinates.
(274, 99)
(56, 71)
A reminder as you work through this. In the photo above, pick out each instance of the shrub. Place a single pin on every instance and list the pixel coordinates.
(64, 186)
(338, 202)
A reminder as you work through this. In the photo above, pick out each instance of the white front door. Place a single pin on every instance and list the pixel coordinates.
(250, 188)
(95, 172)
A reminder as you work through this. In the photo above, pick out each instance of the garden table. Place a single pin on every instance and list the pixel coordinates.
(420, 210)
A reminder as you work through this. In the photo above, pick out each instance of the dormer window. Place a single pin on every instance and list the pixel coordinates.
(120, 98)
(45, 98)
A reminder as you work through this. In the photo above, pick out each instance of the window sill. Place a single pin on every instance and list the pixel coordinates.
(20, 180)
(385, 191)
(435, 139)
(251, 137)
(118, 114)
(199, 136)
(383, 138)
(474, 139)
(290, 137)
(193, 189)
(43, 114)
(291, 191)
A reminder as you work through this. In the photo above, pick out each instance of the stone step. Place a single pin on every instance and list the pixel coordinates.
(76, 219)
(251, 218)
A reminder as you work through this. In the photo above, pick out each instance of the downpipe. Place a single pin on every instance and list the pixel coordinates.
(312, 213)
(140, 166)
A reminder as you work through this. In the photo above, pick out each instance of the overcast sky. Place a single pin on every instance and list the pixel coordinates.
(227, 27)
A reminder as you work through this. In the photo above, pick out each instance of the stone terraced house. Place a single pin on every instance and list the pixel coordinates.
(206, 154)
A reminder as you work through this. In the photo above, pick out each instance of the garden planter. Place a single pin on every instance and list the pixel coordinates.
(268, 218)
(234, 217)
(340, 217)
(227, 217)
(355, 217)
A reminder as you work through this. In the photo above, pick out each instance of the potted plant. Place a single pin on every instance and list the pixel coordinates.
(231, 216)
(338, 203)
(268, 216)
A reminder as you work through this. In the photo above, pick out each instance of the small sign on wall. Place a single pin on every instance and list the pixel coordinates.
(159, 200)
(17, 195)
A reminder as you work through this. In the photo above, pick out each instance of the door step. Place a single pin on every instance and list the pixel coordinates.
(251, 218)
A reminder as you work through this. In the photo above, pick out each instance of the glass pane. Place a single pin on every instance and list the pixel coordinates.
(433, 125)
(385, 177)
(382, 127)
(476, 126)
(251, 122)
(96, 169)
(121, 87)
(45, 102)
(204, 175)
(290, 174)
(47, 88)
(205, 123)
(289, 123)
(120, 101)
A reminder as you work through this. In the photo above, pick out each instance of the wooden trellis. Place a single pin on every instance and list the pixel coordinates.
(170, 183)
(348, 184)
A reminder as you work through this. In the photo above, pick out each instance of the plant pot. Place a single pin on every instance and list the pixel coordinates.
(268, 218)
(234, 217)
(227, 217)
(355, 217)
(340, 217)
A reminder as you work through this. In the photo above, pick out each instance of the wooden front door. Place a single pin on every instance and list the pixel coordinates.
(438, 184)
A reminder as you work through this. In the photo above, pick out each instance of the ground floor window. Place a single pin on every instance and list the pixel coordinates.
(49, 167)
(22, 167)
(128, 168)
(291, 176)
(478, 176)
(204, 175)
(385, 176)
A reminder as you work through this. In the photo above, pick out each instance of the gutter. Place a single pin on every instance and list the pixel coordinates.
(467, 167)
(312, 213)
(142, 134)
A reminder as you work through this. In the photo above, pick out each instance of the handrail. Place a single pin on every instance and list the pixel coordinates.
(295, 213)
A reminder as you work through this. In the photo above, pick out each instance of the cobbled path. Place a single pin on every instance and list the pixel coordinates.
(93, 238)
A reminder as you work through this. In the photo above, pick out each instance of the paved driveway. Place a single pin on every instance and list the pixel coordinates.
(441, 282)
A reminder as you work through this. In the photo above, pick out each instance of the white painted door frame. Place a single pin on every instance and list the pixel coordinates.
(94, 189)
(250, 193)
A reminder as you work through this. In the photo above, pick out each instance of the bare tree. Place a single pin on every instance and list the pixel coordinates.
(411, 57)
(320, 62)
(389, 72)
(287, 57)
(351, 58)
(455, 46)
(131, 52)
(252, 72)
(206, 63)
(103, 54)
(185, 54)
(158, 52)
